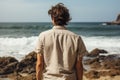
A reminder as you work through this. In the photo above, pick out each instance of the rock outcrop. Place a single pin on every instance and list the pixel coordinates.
(11, 65)
(100, 65)
(27, 65)
(95, 52)
(117, 22)
(7, 65)
(108, 65)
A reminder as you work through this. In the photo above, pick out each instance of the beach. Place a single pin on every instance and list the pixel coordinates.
(18, 40)
(99, 67)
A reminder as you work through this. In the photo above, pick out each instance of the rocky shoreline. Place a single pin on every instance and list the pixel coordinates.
(18, 70)
(116, 22)
(101, 67)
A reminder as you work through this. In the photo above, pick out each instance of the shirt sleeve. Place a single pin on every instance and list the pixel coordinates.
(39, 45)
(81, 48)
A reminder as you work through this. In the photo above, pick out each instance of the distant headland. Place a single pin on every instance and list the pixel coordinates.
(116, 22)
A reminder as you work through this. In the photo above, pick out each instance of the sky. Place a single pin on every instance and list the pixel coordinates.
(37, 10)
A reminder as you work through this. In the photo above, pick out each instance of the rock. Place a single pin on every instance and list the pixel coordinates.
(7, 65)
(92, 74)
(6, 60)
(102, 57)
(117, 22)
(11, 65)
(113, 23)
(104, 73)
(96, 52)
(114, 72)
(10, 68)
(27, 65)
(108, 65)
(118, 18)
(26, 77)
(111, 62)
(91, 61)
(96, 65)
(21, 76)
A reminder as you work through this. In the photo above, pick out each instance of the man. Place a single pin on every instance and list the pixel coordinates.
(59, 51)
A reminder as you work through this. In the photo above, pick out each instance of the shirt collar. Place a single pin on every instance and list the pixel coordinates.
(59, 27)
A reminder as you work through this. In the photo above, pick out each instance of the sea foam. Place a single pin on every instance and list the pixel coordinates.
(111, 44)
(19, 47)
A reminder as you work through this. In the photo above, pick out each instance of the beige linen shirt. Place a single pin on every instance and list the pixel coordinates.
(60, 49)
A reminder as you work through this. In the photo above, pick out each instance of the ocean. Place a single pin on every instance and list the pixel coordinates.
(18, 39)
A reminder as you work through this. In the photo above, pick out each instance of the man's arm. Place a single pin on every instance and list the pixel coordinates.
(79, 69)
(39, 66)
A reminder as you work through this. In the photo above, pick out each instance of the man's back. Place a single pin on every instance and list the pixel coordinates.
(60, 51)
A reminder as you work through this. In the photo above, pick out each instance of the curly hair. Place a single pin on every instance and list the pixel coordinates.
(60, 14)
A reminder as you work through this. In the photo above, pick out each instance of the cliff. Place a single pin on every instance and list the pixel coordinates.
(116, 22)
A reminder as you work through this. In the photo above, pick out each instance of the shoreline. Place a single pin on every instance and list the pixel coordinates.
(98, 67)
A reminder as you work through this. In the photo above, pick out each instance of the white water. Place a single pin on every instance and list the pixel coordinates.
(19, 47)
(111, 44)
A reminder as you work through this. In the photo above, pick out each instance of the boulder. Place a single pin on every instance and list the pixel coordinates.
(92, 74)
(117, 22)
(111, 62)
(114, 72)
(95, 52)
(27, 65)
(7, 65)
(91, 61)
